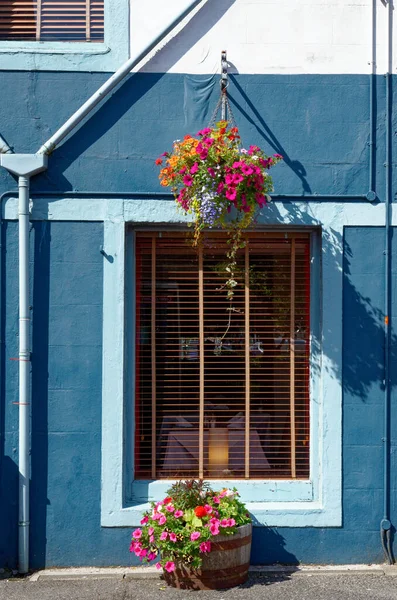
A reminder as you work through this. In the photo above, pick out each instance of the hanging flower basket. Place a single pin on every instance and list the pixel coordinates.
(203, 537)
(219, 183)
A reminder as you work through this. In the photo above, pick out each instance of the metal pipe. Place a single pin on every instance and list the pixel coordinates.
(111, 83)
(170, 196)
(24, 375)
(4, 147)
(385, 525)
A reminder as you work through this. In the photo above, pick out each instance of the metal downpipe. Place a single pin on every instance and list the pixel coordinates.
(385, 525)
(24, 375)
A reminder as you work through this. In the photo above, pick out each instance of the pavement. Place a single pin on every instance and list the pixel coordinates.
(360, 582)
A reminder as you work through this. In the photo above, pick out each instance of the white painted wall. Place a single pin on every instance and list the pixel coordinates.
(265, 36)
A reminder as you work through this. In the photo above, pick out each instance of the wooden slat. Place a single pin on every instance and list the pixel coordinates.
(153, 355)
(292, 364)
(247, 362)
(60, 20)
(201, 355)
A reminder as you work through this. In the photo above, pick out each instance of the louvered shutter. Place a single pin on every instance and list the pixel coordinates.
(222, 390)
(52, 20)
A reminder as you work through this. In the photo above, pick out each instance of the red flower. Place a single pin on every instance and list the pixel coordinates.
(158, 161)
(167, 500)
(200, 511)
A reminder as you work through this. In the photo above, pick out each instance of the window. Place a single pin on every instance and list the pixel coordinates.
(222, 389)
(52, 20)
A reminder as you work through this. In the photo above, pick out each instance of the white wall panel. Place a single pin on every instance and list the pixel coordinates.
(265, 36)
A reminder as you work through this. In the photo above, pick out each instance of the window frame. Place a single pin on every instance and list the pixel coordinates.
(148, 242)
(104, 56)
(313, 502)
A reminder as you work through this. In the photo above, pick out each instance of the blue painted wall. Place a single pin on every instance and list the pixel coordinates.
(320, 124)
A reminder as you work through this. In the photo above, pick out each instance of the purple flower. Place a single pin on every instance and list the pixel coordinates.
(209, 210)
(211, 171)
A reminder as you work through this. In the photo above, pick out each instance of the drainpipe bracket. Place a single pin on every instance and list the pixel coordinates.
(385, 524)
(24, 165)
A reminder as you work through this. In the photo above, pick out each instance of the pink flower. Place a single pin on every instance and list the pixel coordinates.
(216, 500)
(144, 520)
(137, 534)
(208, 509)
(195, 535)
(211, 171)
(178, 513)
(169, 566)
(253, 150)
(182, 171)
(237, 164)
(214, 529)
(225, 523)
(151, 539)
(151, 556)
(237, 178)
(208, 142)
(279, 156)
(158, 504)
(163, 536)
(205, 547)
(162, 520)
(220, 188)
(142, 553)
(232, 522)
(230, 195)
(172, 537)
(188, 180)
(229, 179)
(170, 508)
(205, 131)
(158, 566)
(150, 531)
(203, 155)
(247, 169)
(194, 169)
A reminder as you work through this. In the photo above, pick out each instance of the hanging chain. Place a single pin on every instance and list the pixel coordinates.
(223, 105)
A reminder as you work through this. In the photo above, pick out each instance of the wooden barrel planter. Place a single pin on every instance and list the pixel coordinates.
(224, 567)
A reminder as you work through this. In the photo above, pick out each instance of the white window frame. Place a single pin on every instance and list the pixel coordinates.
(316, 502)
(104, 56)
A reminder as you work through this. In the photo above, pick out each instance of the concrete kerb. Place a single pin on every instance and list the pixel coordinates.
(255, 571)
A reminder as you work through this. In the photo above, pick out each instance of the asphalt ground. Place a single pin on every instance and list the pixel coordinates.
(282, 586)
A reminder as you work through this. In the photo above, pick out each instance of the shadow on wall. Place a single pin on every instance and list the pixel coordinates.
(363, 368)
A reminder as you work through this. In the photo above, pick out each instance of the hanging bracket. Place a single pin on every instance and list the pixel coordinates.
(224, 66)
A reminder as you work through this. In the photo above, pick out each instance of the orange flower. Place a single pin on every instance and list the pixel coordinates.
(164, 182)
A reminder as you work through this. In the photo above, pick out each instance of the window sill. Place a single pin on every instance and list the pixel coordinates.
(53, 47)
(264, 514)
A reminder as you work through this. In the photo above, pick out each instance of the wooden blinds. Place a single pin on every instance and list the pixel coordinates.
(56, 20)
(222, 390)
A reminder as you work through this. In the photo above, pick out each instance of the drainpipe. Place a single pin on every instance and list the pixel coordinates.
(385, 525)
(24, 166)
(111, 83)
